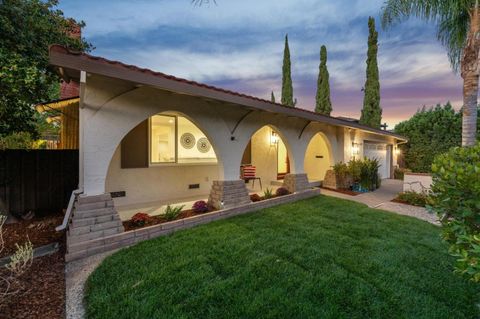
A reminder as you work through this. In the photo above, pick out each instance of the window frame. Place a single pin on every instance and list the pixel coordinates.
(175, 161)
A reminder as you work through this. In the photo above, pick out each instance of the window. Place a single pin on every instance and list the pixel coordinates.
(162, 139)
(175, 139)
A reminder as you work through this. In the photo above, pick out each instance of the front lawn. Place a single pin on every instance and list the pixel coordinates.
(318, 258)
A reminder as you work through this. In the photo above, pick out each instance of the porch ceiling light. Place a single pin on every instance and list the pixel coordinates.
(355, 149)
(273, 138)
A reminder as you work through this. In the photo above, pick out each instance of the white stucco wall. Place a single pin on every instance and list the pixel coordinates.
(159, 183)
(417, 182)
(111, 108)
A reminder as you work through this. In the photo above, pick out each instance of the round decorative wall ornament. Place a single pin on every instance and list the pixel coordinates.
(203, 145)
(187, 140)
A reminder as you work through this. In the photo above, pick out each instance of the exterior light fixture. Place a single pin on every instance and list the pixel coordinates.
(397, 150)
(273, 138)
(355, 149)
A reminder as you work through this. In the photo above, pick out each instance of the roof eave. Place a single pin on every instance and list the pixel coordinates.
(71, 63)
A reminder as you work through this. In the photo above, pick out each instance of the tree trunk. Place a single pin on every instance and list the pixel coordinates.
(469, 117)
(470, 75)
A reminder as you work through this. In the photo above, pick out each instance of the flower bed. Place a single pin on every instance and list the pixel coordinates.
(132, 224)
(141, 220)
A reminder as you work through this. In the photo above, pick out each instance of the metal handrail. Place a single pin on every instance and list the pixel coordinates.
(68, 213)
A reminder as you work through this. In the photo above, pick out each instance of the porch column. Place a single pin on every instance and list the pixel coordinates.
(296, 182)
(227, 194)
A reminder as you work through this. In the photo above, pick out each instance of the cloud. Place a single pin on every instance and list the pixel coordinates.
(239, 45)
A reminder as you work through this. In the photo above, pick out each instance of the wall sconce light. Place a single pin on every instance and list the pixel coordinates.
(397, 150)
(355, 149)
(273, 138)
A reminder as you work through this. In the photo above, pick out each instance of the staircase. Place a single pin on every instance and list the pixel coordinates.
(94, 217)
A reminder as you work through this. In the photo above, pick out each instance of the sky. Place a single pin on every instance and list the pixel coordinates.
(238, 45)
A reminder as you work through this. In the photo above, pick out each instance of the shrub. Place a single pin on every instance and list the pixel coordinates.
(268, 193)
(369, 178)
(456, 199)
(342, 175)
(140, 219)
(354, 169)
(172, 212)
(399, 173)
(413, 198)
(200, 206)
(20, 140)
(255, 198)
(282, 191)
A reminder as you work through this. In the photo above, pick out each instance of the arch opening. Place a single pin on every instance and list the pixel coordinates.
(318, 158)
(166, 159)
(266, 159)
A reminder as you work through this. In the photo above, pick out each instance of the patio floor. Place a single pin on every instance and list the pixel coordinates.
(158, 207)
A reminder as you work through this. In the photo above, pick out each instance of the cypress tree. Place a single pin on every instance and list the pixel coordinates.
(272, 98)
(287, 88)
(323, 103)
(372, 112)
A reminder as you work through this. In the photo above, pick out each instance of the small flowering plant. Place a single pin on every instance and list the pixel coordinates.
(140, 219)
(255, 198)
(200, 206)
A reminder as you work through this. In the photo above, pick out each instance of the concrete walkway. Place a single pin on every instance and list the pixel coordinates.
(381, 199)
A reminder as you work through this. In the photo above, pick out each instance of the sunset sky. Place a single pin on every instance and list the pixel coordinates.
(238, 45)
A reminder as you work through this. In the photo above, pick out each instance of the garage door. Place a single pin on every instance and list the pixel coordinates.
(382, 153)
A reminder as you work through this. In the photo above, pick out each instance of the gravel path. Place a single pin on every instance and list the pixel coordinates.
(409, 210)
(76, 274)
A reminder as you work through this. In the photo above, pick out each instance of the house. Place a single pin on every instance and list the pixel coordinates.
(147, 139)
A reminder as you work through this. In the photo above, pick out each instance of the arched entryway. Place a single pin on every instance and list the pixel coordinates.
(166, 159)
(318, 158)
(267, 152)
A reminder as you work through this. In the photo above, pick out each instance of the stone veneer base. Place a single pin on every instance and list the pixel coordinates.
(132, 237)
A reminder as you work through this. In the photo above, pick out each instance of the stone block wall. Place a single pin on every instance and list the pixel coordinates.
(296, 182)
(227, 194)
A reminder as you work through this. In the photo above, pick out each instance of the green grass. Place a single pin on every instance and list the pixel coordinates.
(318, 258)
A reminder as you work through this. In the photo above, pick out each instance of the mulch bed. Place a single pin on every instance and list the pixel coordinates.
(343, 191)
(39, 230)
(41, 289)
(42, 294)
(159, 219)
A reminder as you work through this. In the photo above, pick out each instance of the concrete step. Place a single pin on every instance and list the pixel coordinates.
(80, 222)
(92, 206)
(81, 214)
(73, 239)
(95, 227)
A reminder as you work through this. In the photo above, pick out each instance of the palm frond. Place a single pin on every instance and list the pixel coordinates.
(451, 18)
(452, 33)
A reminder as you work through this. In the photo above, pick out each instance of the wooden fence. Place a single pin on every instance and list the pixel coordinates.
(37, 180)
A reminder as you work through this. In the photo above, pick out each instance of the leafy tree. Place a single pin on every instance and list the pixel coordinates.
(272, 97)
(323, 103)
(287, 88)
(430, 132)
(372, 112)
(28, 28)
(458, 29)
